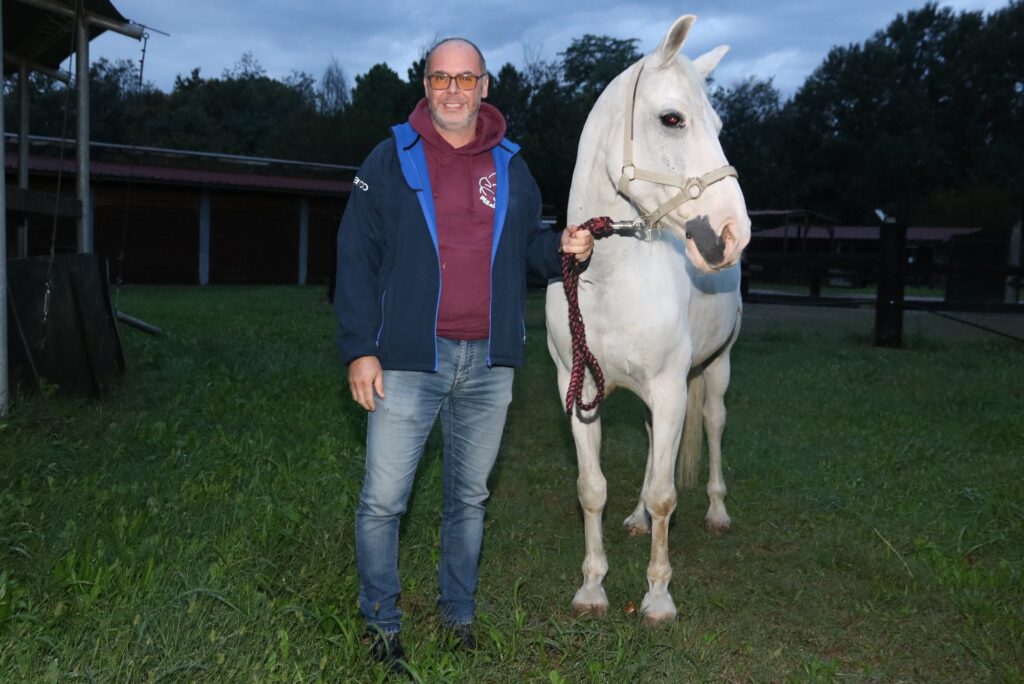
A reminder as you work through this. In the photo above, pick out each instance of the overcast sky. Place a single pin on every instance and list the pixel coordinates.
(779, 39)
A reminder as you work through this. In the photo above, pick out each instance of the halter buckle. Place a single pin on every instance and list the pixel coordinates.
(694, 187)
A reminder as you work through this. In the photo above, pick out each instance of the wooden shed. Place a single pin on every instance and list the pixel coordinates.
(172, 216)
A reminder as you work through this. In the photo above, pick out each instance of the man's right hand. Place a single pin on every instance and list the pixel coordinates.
(364, 378)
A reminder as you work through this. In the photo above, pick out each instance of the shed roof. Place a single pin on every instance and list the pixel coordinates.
(169, 175)
(45, 37)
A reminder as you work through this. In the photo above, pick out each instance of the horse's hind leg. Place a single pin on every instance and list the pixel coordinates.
(716, 376)
(638, 523)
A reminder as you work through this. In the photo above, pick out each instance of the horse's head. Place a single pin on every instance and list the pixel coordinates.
(668, 160)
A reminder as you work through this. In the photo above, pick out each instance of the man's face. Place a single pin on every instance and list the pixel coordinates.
(454, 110)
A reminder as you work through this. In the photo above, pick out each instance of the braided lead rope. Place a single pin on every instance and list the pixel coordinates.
(582, 358)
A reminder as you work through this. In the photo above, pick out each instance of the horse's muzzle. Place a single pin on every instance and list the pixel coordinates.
(712, 247)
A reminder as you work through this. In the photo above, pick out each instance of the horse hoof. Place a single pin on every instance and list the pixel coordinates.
(658, 609)
(658, 620)
(637, 523)
(717, 527)
(589, 610)
(636, 529)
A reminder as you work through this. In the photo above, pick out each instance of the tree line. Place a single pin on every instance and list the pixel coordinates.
(924, 119)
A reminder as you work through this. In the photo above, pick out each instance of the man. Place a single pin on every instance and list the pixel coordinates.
(433, 249)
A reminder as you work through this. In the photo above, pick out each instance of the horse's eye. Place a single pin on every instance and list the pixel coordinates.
(672, 120)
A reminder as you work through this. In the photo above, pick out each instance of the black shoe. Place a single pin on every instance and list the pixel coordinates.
(464, 638)
(387, 649)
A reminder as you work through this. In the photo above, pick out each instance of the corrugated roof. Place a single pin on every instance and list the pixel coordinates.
(914, 233)
(46, 37)
(187, 177)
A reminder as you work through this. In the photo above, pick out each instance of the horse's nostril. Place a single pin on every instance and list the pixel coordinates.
(727, 236)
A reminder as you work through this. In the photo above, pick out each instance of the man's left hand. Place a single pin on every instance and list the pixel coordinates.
(577, 241)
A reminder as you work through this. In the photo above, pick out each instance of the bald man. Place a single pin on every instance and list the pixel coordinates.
(439, 234)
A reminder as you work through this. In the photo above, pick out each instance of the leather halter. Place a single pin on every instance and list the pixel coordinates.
(690, 188)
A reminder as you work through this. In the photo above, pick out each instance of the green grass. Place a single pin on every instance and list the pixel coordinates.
(197, 524)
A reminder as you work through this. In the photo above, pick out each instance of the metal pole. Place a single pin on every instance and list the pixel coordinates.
(303, 239)
(23, 95)
(5, 389)
(85, 236)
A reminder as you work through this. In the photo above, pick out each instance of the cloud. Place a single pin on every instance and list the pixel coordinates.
(784, 39)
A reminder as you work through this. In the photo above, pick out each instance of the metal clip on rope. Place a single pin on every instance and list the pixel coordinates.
(640, 228)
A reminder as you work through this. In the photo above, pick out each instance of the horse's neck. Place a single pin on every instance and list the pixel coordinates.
(593, 191)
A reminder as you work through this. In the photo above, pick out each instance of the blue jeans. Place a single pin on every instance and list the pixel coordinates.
(472, 401)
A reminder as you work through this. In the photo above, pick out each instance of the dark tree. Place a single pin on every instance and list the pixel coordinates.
(510, 92)
(753, 138)
(333, 95)
(905, 120)
(591, 62)
(380, 100)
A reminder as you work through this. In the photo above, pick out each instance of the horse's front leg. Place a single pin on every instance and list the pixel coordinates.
(593, 493)
(592, 488)
(668, 404)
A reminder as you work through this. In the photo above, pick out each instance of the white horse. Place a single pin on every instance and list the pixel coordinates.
(661, 312)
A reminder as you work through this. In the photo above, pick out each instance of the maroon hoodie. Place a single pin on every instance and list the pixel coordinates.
(463, 184)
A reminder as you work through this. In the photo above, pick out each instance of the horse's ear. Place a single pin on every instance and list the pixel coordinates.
(674, 39)
(707, 62)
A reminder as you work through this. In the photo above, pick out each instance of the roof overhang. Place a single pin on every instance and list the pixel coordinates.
(40, 33)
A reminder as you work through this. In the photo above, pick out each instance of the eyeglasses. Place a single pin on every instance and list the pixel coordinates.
(439, 80)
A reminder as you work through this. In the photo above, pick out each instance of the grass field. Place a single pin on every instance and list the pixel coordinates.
(197, 525)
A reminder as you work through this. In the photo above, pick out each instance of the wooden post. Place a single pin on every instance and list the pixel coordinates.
(85, 232)
(815, 272)
(5, 390)
(303, 239)
(1013, 282)
(204, 238)
(889, 302)
(22, 245)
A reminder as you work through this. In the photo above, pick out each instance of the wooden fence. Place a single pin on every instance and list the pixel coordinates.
(890, 269)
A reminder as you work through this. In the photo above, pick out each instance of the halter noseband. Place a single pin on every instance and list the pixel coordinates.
(690, 188)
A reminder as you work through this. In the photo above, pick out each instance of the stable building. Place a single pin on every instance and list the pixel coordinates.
(186, 217)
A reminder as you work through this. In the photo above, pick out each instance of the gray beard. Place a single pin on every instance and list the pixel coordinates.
(468, 125)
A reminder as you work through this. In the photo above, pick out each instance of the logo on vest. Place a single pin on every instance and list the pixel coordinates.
(487, 188)
(361, 184)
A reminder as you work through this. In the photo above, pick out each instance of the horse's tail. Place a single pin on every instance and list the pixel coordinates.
(692, 442)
